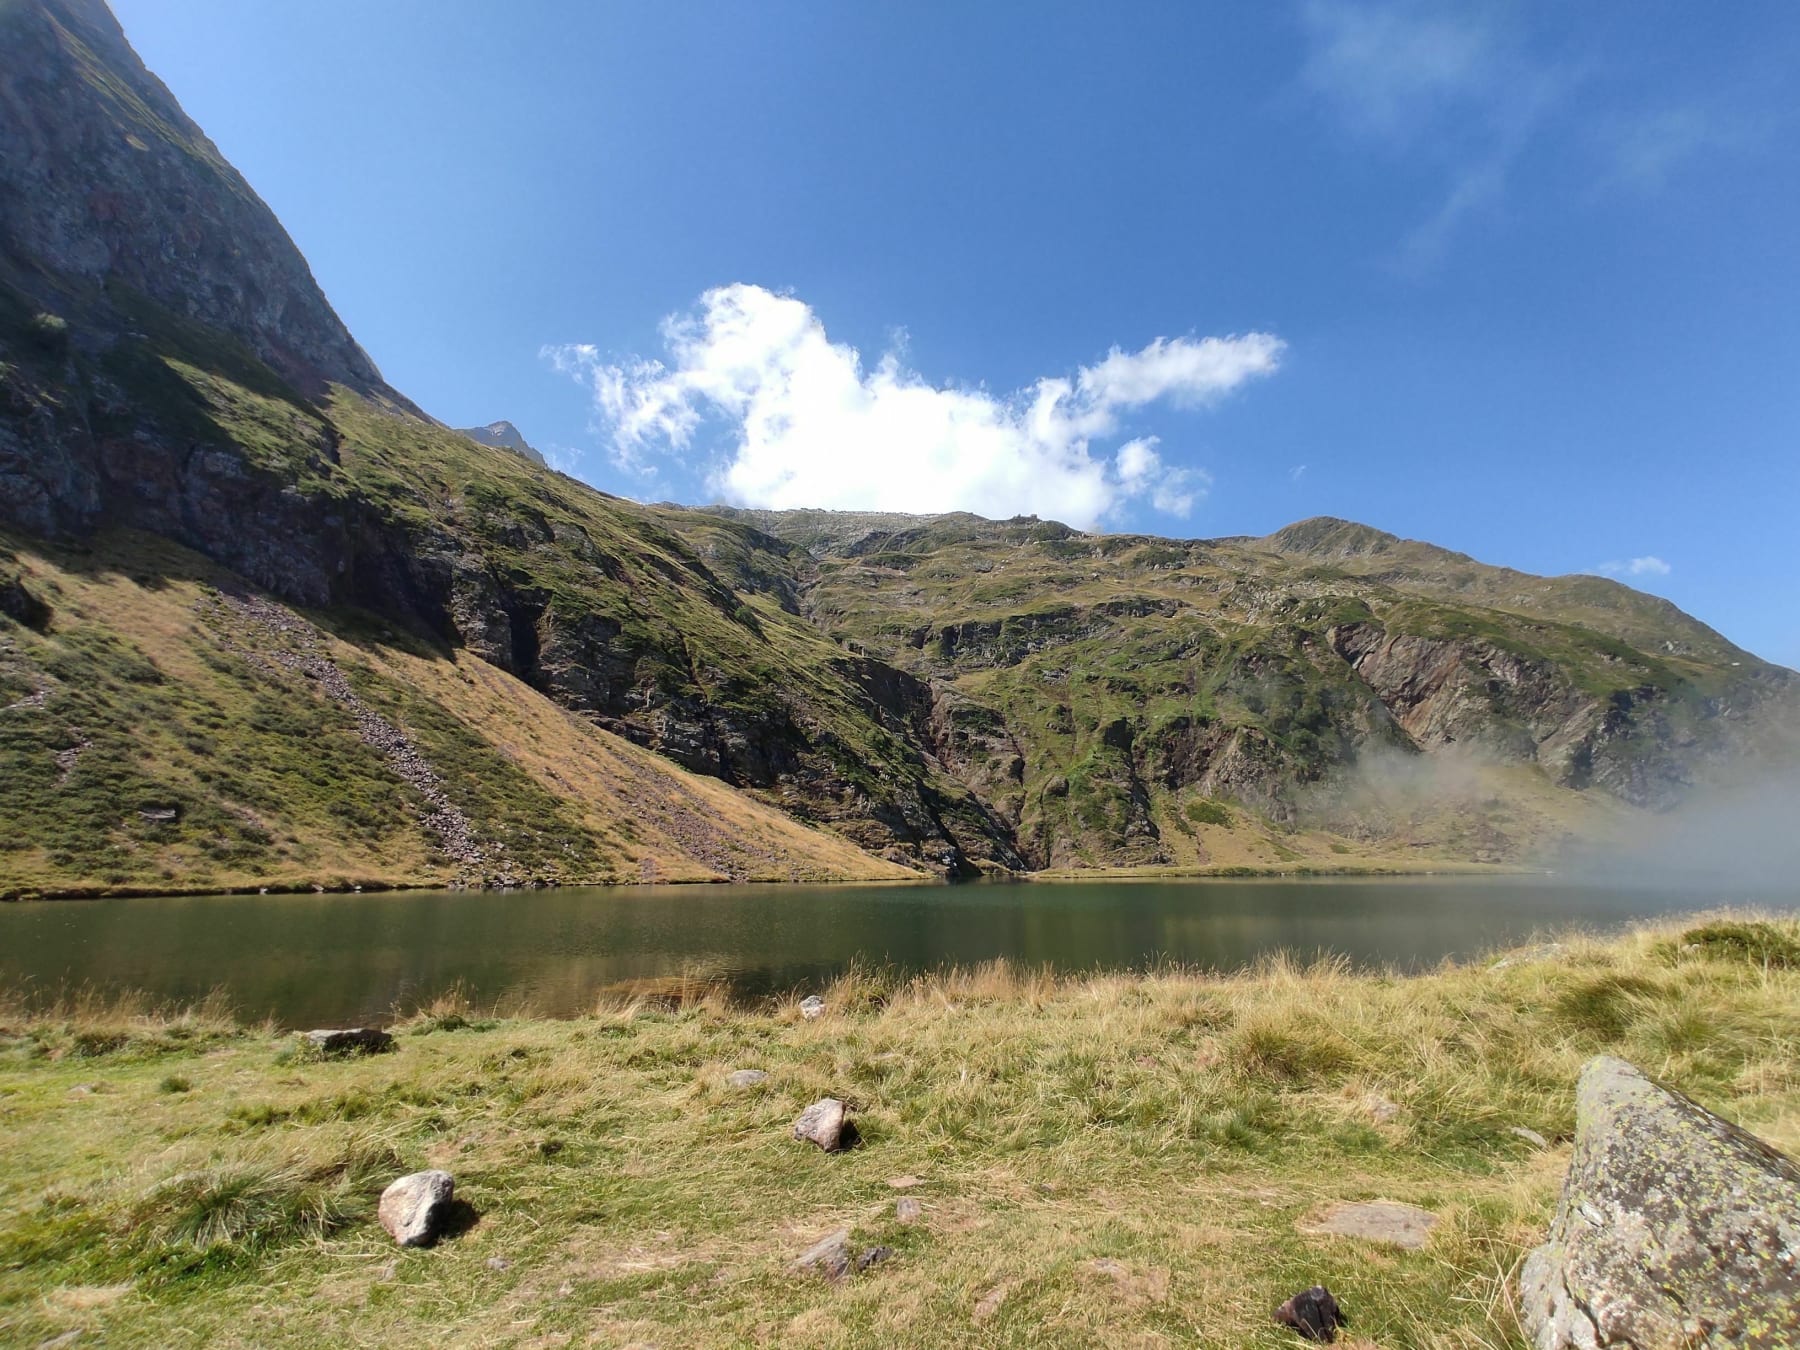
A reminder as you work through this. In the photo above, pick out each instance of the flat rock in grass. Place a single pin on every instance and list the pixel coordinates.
(812, 1006)
(1376, 1221)
(1675, 1228)
(350, 1041)
(743, 1078)
(413, 1208)
(905, 1183)
(829, 1256)
(908, 1210)
(825, 1123)
(1529, 1135)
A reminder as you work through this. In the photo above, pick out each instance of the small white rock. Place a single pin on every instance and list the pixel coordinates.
(812, 1006)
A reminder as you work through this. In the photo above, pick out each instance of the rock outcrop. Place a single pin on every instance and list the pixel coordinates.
(1676, 1229)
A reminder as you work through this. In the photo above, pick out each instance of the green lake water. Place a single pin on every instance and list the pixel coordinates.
(314, 960)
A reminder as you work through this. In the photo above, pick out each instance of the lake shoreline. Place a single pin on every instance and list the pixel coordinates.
(1089, 1158)
(1236, 872)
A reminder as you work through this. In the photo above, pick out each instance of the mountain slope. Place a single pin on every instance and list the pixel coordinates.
(488, 652)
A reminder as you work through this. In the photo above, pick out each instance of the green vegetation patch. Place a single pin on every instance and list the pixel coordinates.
(1760, 943)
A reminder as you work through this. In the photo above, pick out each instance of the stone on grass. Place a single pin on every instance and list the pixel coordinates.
(350, 1041)
(743, 1078)
(873, 1256)
(1380, 1109)
(1314, 1313)
(829, 1256)
(826, 1123)
(1376, 1221)
(908, 1210)
(1675, 1228)
(989, 1303)
(905, 1183)
(1529, 1135)
(413, 1208)
(812, 1006)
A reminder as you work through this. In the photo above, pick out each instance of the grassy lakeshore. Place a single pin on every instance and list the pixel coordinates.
(1113, 1159)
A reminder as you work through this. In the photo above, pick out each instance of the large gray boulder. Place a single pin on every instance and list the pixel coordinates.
(1675, 1228)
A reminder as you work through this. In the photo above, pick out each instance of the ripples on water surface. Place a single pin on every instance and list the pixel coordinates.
(319, 959)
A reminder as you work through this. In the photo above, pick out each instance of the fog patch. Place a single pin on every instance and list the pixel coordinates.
(1721, 843)
(1384, 789)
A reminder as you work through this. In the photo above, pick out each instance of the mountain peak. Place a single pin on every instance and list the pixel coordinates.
(504, 436)
(112, 193)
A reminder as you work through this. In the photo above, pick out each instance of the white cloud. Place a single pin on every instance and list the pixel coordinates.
(1647, 566)
(1296, 473)
(813, 427)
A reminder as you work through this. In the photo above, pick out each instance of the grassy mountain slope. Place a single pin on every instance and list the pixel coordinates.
(163, 727)
(1108, 691)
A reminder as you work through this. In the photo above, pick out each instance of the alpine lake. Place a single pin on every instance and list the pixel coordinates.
(338, 959)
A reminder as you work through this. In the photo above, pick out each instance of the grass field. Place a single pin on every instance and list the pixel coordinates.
(1121, 1160)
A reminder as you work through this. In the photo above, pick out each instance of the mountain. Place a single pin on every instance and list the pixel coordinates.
(504, 436)
(266, 623)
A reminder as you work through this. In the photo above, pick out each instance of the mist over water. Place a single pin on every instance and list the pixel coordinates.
(1722, 842)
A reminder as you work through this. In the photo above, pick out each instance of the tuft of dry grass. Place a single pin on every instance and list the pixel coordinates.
(1126, 1158)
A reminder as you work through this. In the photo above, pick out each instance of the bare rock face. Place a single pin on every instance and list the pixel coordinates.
(825, 1123)
(414, 1207)
(105, 179)
(1675, 1228)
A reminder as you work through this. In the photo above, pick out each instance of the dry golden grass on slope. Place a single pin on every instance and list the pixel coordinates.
(144, 693)
(676, 825)
(1114, 1159)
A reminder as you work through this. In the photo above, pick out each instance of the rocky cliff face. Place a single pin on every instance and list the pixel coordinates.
(108, 187)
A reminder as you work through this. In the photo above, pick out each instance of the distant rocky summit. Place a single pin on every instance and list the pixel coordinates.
(504, 436)
(1676, 1229)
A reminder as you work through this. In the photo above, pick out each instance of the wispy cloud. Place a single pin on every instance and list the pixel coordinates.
(1296, 473)
(1647, 566)
(806, 424)
(1643, 151)
(1472, 90)
(1452, 84)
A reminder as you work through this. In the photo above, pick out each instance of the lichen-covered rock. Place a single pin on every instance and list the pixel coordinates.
(413, 1208)
(1675, 1228)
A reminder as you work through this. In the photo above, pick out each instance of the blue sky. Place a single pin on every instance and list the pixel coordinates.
(1517, 279)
